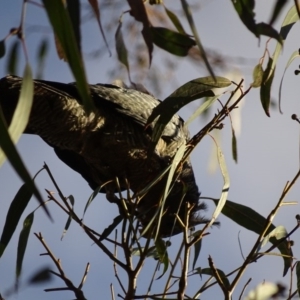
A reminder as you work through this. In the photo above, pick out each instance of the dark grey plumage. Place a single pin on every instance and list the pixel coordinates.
(110, 142)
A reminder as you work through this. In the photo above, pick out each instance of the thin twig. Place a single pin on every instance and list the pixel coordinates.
(218, 278)
(90, 234)
(70, 286)
(115, 265)
(244, 288)
(270, 218)
(87, 268)
(173, 267)
(183, 278)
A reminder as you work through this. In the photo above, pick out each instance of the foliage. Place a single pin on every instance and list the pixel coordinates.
(123, 235)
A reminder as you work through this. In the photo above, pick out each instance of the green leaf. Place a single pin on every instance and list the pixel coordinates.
(267, 30)
(174, 42)
(294, 55)
(95, 7)
(62, 26)
(197, 249)
(13, 216)
(277, 10)
(21, 115)
(152, 252)
(208, 271)
(91, 198)
(257, 76)
(208, 102)
(73, 8)
(23, 239)
(225, 189)
(265, 90)
(107, 231)
(176, 160)
(121, 47)
(13, 58)
(245, 10)
(251, 220)
(13, 156)
(190, 91)
(72, 200)
(138, 11)
(175, 20)
(187, 10)
(234, 146)
(17, 126)
(41, 276)
(298, 277)
(2, 48)
(41, 57)
(289, 21)
(161, 248)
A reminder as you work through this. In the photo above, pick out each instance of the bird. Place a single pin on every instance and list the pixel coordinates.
(109, 146)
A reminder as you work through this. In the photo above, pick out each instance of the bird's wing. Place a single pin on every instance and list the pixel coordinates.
(138, 106)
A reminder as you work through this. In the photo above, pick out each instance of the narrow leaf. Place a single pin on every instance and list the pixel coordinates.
(289, 21)
(188, 14)
(41, 276)
(163, 254)
(91, 198)
(251, 220)
(16, 128)
(257, 76)
(267, 30)
(176, 160)
(175, 20)
(234, 146)
(95, 6)
(298, 277)
(278, 7)
(190, 91)
(173, 42)
(22, 112)
(121, 48)
(209, 101)
(41, 57)
(107, 231)
(13, 216)
(208, 271)
(225, 189)
(2, 48)
(23, 239)
(197, 249)
(62, 26)
(265, 90)
(13, 58)
(68, 223)
(13, 156)
(294, 55)
(245, 10)
(73, 8)
(138, 11)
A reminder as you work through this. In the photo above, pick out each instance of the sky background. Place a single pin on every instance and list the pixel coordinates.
(268, 150)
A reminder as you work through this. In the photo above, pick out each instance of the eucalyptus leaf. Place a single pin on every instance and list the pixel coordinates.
(63, 28)
(23, 240)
